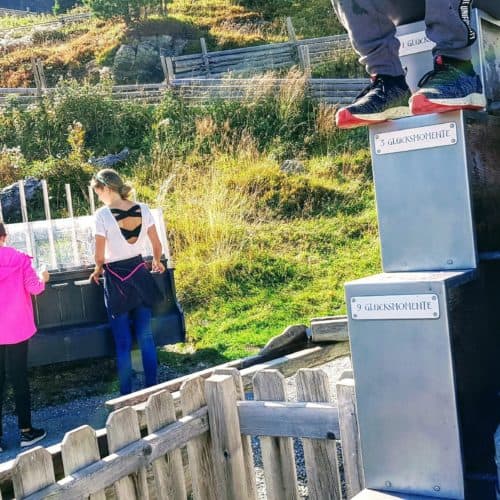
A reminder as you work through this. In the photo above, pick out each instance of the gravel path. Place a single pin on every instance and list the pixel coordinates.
(59, 419)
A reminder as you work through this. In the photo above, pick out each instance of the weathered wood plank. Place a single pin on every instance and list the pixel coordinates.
(349, 434)
(329, 330)
(192, 397)
(79, 448)
(246, 443)
(127, 460)
(122, 428)
(287, 365)
(168, 471)
(32, 471)
(285, 419)
(227, 451)
(278, 457)
(320, 456)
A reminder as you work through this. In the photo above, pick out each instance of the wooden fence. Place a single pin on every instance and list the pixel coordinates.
(215, 429)
(333, 91)
(15, 12)
(256, 59)
(57, 23)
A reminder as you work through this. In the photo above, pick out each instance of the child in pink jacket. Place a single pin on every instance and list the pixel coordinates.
(18, 281)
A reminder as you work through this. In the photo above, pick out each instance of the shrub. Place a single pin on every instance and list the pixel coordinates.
(12, 165)
(61, 6)
(42, 130)
(128, 9)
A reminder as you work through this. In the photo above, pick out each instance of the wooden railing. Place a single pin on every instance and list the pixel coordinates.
(256, 59)
(215, 426)
(15, 12)
(57, 23)
(324, 89)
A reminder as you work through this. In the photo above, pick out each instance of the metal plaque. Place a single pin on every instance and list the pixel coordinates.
(421, 306)
(429, 136)
(414, 43)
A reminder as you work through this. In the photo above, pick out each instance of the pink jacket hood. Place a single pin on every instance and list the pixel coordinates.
(18, 280)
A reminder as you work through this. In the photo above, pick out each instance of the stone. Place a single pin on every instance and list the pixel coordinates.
(110, 160)
(11, 202)
(292, 167)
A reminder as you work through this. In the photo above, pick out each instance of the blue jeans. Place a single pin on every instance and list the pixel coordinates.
(140, 318)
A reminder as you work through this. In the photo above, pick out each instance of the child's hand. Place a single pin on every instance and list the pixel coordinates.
(157, 266)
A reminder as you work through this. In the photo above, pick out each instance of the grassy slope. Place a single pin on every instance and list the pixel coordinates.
(224, 24)
(244, 283)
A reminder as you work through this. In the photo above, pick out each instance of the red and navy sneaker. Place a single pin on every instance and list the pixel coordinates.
(451, 85)
(385, 98)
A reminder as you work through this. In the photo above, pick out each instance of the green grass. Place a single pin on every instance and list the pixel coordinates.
(255, 249)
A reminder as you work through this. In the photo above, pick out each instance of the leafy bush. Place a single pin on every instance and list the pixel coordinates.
(128, 9)
(41, 131)
(12, 165)
(61, 6)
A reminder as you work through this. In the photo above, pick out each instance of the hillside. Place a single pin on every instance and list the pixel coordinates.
(82, 50)
(269, 207)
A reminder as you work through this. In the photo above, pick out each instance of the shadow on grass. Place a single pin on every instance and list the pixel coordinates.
(184, 362)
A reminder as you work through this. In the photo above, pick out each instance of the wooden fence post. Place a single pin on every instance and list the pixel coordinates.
(320, 455)
(32, 471)
(168, 69)
(79, 448)
(204, 55)
(168, 471)
(246, 441)
(227, 450)
(122, 428)
(41, 73)
(349, 434)
(36, 76)
(291, 30)
(305, 59)
(278, 457)
(199, 450)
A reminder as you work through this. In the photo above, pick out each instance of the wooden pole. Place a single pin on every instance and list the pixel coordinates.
(320, 455)
(349, 434)
(192, 397)
(41, 74)
(291, 30)
(278, 457)
(165, 69)
(305, 60)
(168, 471)
(36, 76)
(227, 450)
(170, 69)
(122, 428)
(204, 55)
(246, 442)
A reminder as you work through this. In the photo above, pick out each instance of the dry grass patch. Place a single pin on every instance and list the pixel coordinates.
(62, 59)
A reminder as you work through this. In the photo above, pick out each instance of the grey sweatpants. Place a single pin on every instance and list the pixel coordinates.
(371, 25)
